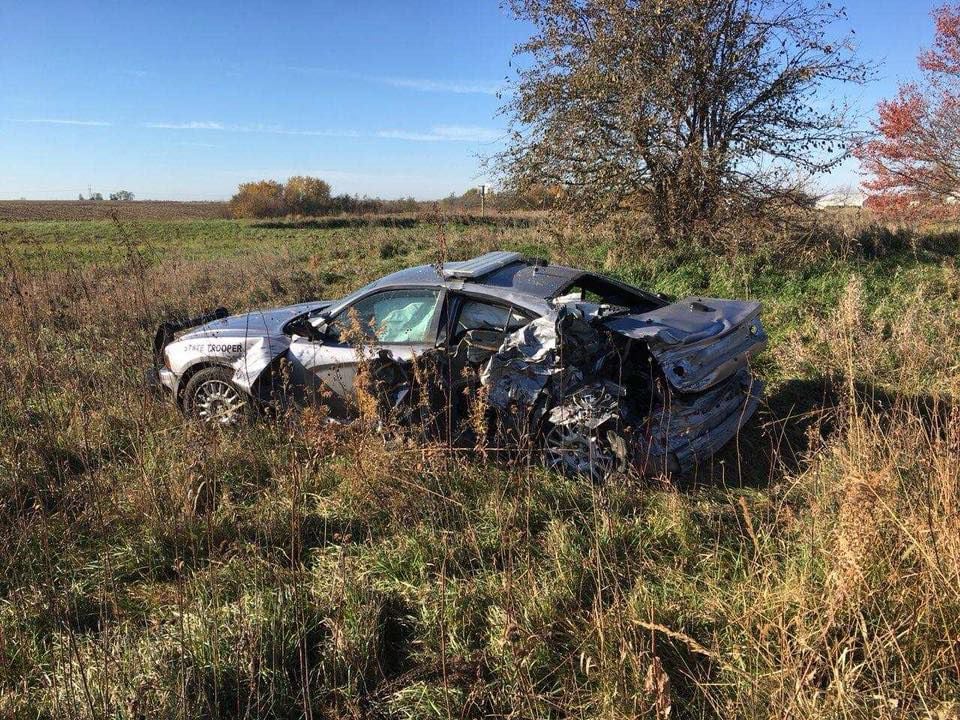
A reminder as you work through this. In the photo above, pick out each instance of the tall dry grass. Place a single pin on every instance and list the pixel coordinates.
(150, 567)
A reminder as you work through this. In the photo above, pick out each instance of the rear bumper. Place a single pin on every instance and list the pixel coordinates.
(692, 428)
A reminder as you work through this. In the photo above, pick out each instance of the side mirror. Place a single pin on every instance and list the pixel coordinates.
(303, 327)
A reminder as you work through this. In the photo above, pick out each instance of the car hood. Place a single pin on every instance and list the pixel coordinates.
(256, 323)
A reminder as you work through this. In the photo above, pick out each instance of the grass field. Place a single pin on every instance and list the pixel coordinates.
(154, 568)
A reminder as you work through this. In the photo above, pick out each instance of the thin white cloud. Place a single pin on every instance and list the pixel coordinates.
(469, 133)
(439, 133)
(459, 87)
(268, 129)
(425, 85)
(191, 125)
(336, 175)
(406, 135)
(63, 121)
(444, 133)
(318, 133)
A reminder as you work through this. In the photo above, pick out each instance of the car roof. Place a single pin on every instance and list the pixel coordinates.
(534, 279)
(500, 276)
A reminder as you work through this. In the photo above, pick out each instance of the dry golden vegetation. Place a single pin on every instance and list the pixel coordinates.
(151, 567)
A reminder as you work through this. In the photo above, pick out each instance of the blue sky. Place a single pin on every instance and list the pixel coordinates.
(178, 100)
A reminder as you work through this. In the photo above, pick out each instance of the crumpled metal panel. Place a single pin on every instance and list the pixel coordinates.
(524, 364)
(698, 342)
(688, 429)
(686, 321)
(543, 360)
(591, 406)
(714, 391)
(263, 351)
(692, 369)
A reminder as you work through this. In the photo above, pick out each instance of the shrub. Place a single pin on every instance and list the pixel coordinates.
(261, 199)
(304, 195)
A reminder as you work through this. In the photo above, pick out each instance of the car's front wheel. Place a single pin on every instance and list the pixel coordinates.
(212, 397)
(579, 452)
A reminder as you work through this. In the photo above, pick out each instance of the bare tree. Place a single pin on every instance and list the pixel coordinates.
(693, 110)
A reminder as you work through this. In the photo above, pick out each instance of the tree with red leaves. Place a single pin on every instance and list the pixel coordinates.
(913, 157)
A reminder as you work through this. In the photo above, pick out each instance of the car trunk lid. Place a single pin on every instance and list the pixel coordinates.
(697, 341)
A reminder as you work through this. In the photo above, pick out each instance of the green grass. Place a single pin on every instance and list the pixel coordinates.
(52, 244)
(153, 568)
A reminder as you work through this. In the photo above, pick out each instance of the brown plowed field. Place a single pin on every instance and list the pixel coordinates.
(102, 210)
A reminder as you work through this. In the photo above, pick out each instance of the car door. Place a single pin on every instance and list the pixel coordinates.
(403, 321)
(478, 326)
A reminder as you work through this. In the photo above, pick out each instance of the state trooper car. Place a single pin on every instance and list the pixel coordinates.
(594, 373)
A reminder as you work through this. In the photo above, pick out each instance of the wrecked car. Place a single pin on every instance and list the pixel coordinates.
(596, 375)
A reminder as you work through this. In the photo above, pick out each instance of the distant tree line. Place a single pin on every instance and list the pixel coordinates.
(532, 197)
(304, 195)
(118, 196)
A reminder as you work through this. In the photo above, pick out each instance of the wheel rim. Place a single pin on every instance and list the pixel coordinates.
(217, 401)
(576, 452)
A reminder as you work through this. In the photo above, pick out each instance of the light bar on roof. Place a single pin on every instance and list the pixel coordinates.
(482, 264)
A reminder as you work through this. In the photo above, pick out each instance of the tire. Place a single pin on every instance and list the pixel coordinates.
(579, 452)
(212, 397)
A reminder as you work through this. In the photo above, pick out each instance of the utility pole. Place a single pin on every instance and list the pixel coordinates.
(483, 193)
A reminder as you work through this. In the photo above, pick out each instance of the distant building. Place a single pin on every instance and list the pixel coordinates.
(843, 198)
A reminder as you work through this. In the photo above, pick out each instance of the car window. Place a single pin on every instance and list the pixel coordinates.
(392, 316)
(477, 315)
(597, 289)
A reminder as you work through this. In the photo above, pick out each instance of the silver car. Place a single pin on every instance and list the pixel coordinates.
(597, 374)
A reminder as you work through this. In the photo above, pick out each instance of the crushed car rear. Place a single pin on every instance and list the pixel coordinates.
(658, 391)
